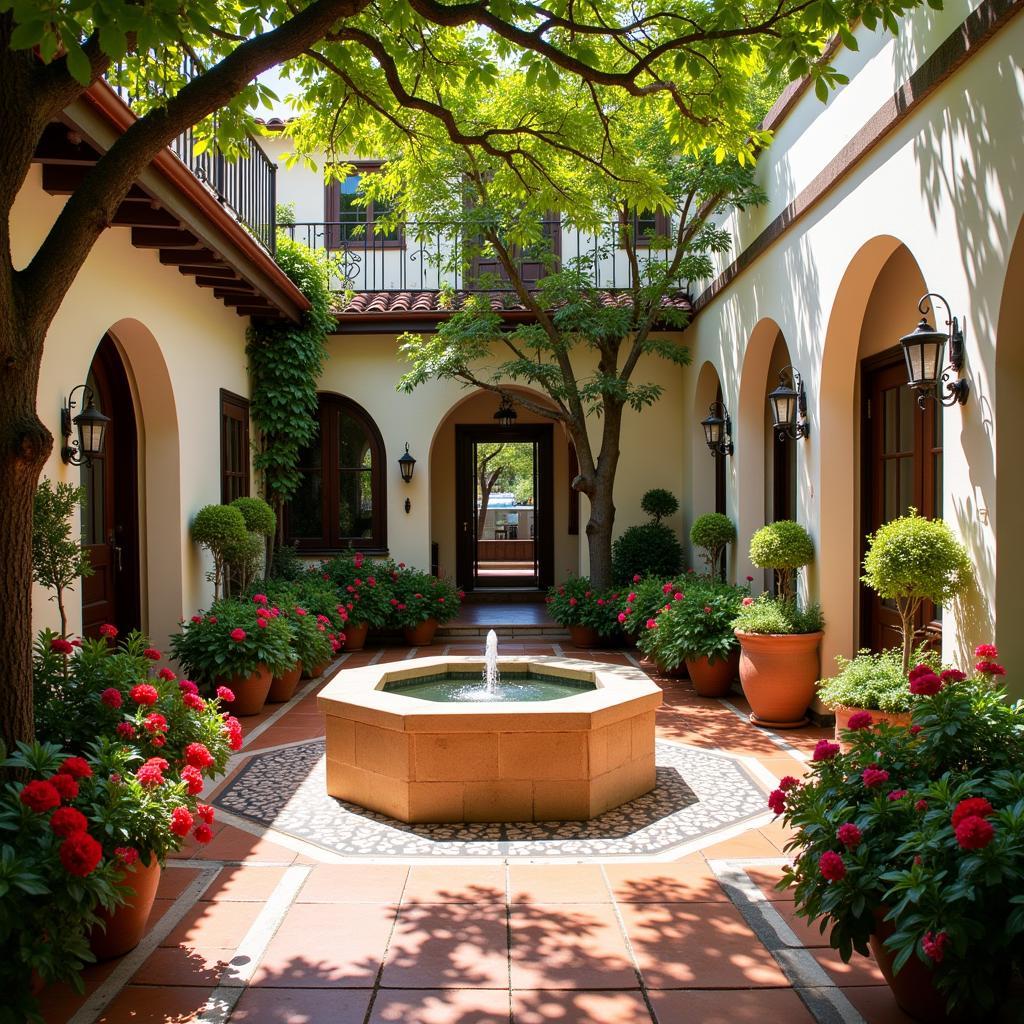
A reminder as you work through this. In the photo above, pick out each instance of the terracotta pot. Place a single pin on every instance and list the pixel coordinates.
(843, 714)
(713, 678)
(282, 687)
(679, 672)
(355, 636)
(778, 673)
(250, 692)
(127, 924)
(584, 637)
(422, 634)
(315, 671)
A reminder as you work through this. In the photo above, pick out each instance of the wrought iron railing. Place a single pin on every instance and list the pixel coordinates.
(245, 185)
(422, 256)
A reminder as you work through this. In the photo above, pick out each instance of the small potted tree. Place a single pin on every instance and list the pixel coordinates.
(711, 534)
(779, 640)
(221, 530)
(913, 559)
(652, 548)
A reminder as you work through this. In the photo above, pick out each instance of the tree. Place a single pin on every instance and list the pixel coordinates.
(359, 60)
(500, 464)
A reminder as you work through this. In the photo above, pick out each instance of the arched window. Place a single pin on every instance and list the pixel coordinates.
(340, 502)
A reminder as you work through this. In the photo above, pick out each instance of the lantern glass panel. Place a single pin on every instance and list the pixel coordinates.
(783, 406)
(713, 429)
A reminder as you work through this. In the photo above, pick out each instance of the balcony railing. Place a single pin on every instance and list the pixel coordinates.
(422, 256)
(246, 185)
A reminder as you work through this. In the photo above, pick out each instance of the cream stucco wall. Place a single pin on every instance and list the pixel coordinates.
(180, 346)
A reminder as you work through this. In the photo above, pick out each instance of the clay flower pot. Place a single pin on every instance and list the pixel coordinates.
(679, 672)
(843, 714)
(282, 687)
(778, 673)
(126, 925)
(421, 634)
(355, 636)
(315, 671)
(713, 678)
(584, 637)
(250, 692)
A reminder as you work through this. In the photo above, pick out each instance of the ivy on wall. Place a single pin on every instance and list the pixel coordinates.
(285, 363)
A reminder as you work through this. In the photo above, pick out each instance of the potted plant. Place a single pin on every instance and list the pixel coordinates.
(590, 616)
(320, 598)
(912, 559)
(711, 534)
(651, 548)
(644, 598)
(364, 591)
(221, 530)
(240, 644)
(911, 843)
(420, 602)
(778, 639)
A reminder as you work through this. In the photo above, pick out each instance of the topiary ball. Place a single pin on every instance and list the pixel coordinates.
(650, 550)
(258, 515)
(781, 545)
(217, 526)
(659, 504)
(712, 531)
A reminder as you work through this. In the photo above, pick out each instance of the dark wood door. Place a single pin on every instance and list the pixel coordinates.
(110, 503)
(902, 456)
(536, 544)
(533, 262)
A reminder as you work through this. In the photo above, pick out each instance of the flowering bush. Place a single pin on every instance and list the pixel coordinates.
(924, 825)
(576, 603)
(874, 681)
(364, 589)
(417, 596)
(644, 598)
(234, 638)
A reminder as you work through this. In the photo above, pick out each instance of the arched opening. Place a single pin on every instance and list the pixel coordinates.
(779, 450)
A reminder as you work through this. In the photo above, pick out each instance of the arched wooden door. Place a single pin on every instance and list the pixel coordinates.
(110, 505)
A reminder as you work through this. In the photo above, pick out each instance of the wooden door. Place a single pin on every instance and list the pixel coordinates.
(110, 503)
(534, 262)
(902, 469)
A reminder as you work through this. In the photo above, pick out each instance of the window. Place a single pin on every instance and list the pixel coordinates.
(351, 223)
(234, 447)
(645, 227)
(340, 500)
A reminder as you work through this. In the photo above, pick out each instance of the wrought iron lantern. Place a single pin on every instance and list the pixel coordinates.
(718, 430)
(506, 414)
(91, 426)
(789, 406)
(407, 464)
(924, 352)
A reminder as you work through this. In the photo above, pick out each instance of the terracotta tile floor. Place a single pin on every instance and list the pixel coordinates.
(262, 930)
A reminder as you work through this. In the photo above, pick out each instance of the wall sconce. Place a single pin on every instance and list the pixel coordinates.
(924, 350)
(789, 406)
(718, 430)
(406, 465)
(506, 415)
(91, 425)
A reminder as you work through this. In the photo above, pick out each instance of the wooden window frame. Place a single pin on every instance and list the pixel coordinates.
(662, 229)
(332, 215)
(329, 405)
(239, 407)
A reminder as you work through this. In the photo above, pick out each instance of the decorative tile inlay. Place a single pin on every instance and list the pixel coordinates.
(698, 792)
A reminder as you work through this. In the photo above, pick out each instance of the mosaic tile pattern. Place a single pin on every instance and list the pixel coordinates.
(698, 792)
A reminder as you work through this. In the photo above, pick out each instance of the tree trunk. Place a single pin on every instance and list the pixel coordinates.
(599, 536)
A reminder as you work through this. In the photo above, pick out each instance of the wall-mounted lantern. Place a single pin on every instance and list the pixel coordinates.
(506, 414)
(789, 406)
(406, 465)
(91, 426)
(718, 430)
(924, 351)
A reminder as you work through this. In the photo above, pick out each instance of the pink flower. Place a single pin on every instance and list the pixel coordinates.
(787, 782)
(125, 730)
(707, 609)
(144, 693)
(260, 598)
(631, 598)
(667, 588)
(572, 602)
(651, 624)
(193, 701)
(824, 750)
(166, 675)
(262, 623)
(777, 801)
(986, 651)
(934, 946)
(238, 635)
(225, 694)
(622, 616)
(925, 684)
(61, 646)
(896, 794)
(990, 668)
(747, 602)
(636, 577)
(108, 630)
(181, 821)
(860, 720)
(600, 602)
(127, 855)
(187, 686)
(921, 806)
(849, 835)
(197, 755)
(152, 653)
(953, 675)
(111, 697)
(974, 833)
(677, 597)
(872, 777)
(212, 620)
(832, 866)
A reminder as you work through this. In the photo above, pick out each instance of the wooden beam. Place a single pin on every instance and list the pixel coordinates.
(190, 257)
(231, 290)
(141, 213)
(259, 312)
(164, 238)
(227, 273)
(63, 179)
(58, 145)
(251, 300)
(230, 284)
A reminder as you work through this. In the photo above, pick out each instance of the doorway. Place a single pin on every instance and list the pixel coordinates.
(902, 469)
(110, 503)
(504, 500)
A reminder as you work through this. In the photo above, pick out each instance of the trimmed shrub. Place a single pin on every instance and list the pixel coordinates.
(258, 515)
(659, 504)
(219, 529)
(648, 550)
(784, 546)
(711, 534)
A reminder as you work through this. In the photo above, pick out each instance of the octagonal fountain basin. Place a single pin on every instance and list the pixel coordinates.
(427, 741)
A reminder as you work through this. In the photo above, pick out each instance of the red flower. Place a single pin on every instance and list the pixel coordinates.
(621, 616)
(198, 756)
(986, 651)
(849, 835)
(152, 653)
(747, 602)
(111, 697)
(61, 646)
(233, 731)
(824, 750)
(925, 684)
(238, 635)
(934, 946)
(158, 741)
(974, 833)
(159, 763)
(66, 821)
(974, 806)
(144, 693)
(80, 854)
(167, 675)
(154, 722)
(860, 720)
(193, 778)
(787, 782)
(205, 812)
(149, 776)
(872, 777)
(651, 624)
(990, 668)
(573, 602)
(212, 620)
(76, 767)
(193, 701)
(667, 588)
(953, 675)
(127, 855)
(39, 796)
(125, 730)
(108, 630)
(260, 598)
(197, 618)
(262, 623)
(832, 866)
(181, 821)
(187, 686)
(777, 801)
(915, 729)
(225, 694)
(921, 806)
(65, 785)
(707, 608)
(896, 794)
(203, 833)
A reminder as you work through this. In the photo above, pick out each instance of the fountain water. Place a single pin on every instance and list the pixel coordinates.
(492, 674)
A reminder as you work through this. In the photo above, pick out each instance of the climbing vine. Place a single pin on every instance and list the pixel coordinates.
(285, 362)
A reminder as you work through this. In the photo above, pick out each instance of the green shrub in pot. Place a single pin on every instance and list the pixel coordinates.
(767, 615)
(418, 596)
(785, 547)
(711, 534)
(644, 597)
(874, 682)
(650, 549)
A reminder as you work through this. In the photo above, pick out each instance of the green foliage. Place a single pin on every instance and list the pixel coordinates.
(418, 596)
(644, 600)
(258, 515)
(57, 560)
(286, 565)
(711, 533)
(650, 549)
(311, 639)
(364, 588)
(221, 530)
(577, 603)
(772, 615)
(876, 682)
(784, 546)
(659, 504)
